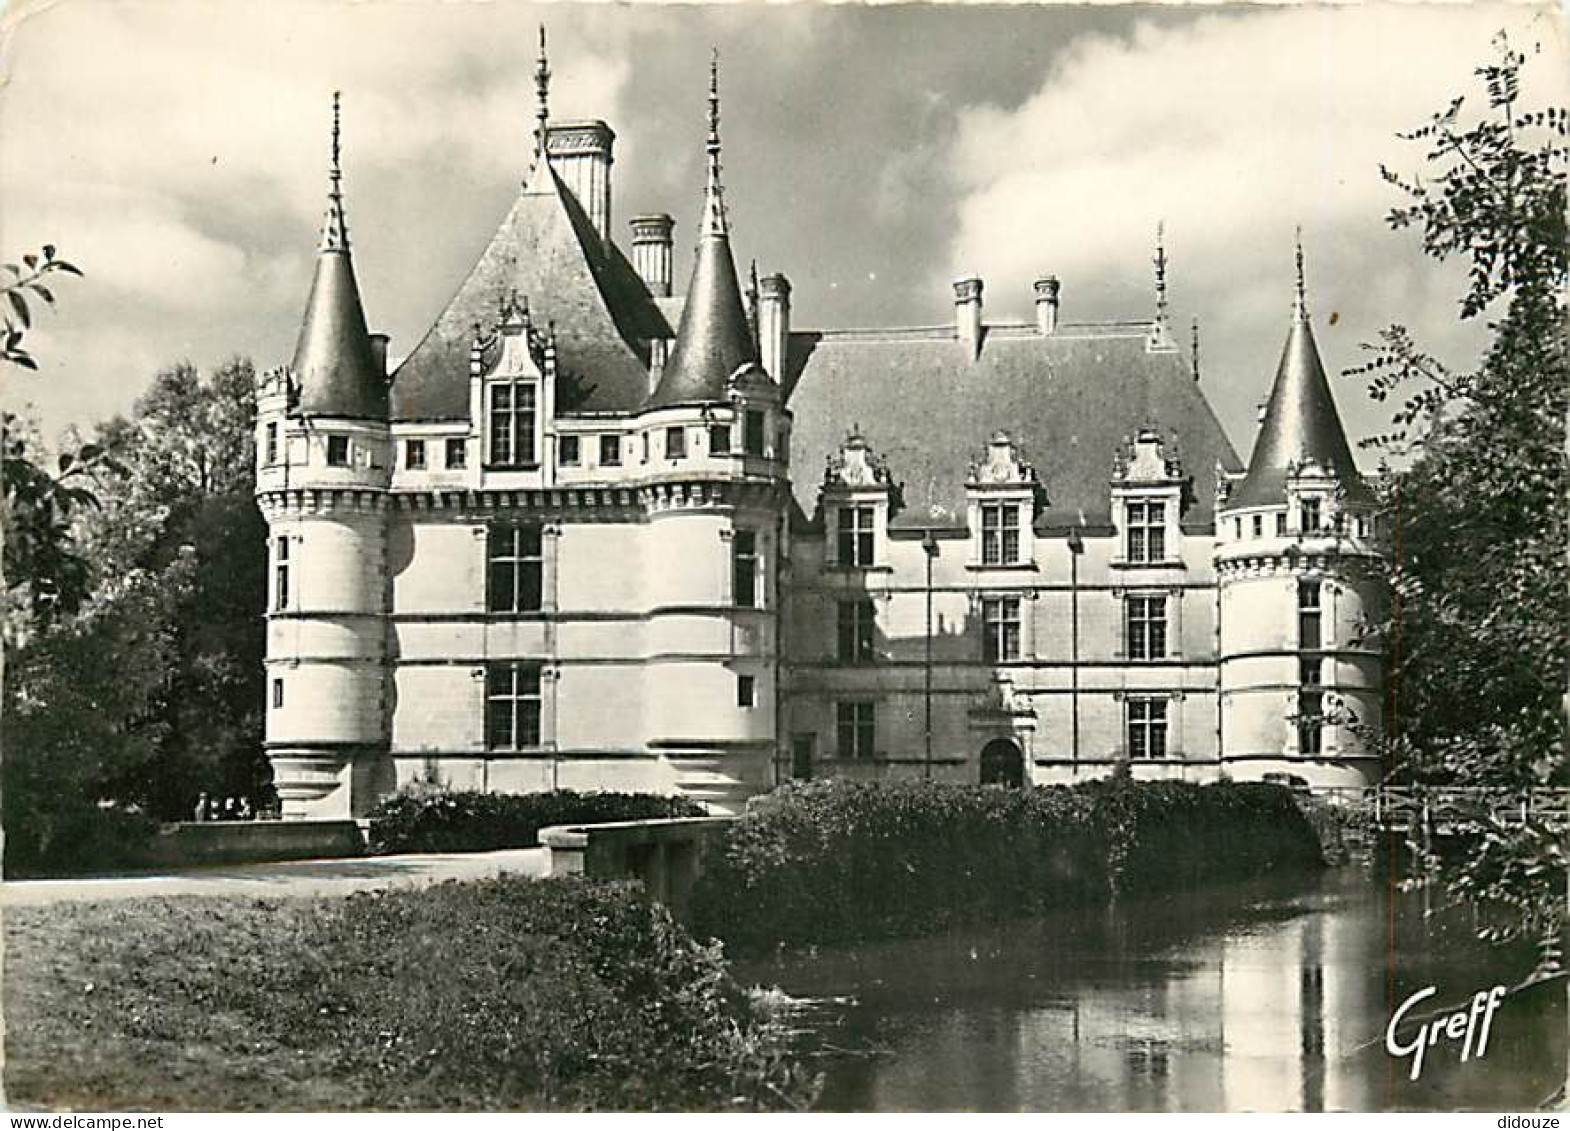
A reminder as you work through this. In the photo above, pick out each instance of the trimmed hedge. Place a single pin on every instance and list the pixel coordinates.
(835, 860)
(471, 821)
(476, 996)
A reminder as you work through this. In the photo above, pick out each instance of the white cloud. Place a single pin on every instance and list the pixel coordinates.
(178, 153)
(1232, 129)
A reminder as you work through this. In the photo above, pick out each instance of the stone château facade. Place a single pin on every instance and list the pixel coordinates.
(591, 533)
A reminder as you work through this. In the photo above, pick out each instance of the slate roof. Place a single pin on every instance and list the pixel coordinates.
(333, 360)
(334, 363)
(1300, 421)
(1069, 399)
(715, 338)
(548, 250)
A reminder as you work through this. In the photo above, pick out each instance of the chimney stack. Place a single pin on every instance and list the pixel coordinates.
(1047, 289)
(967, 313)
(773, 324)
(651, 251)
(580, 152)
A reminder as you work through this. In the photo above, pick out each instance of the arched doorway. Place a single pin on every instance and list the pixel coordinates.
(1002, 763)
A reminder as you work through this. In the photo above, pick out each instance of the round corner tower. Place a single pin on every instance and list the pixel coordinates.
(1296, 563)
(715, 723)
(323, 471)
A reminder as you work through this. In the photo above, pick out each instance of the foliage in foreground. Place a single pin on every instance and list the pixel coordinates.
(836, 860)
(554, 994)
(1478, 636)
(142, 548)
(471, 821)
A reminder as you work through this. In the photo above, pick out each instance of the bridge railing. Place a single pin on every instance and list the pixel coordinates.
(1400, 807)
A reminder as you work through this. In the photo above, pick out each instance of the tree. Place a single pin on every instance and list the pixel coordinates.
(44, 577)
(185, 502)
(1478, 636)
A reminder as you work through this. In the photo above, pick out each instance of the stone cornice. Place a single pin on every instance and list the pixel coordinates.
(624, 501)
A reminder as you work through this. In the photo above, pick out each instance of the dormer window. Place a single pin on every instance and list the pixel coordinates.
(337, 451)
(857, 500)
(1004, 496)
(512, 421)
(856, 541)
(999, 534)
(1308, 514)
(1147, 532)
(1149, 495)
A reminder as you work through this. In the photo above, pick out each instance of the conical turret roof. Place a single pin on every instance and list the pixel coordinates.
(714, 339)
(334, 364)
(1301, 423)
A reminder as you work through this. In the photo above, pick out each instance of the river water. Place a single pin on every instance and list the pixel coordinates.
(1267, 996)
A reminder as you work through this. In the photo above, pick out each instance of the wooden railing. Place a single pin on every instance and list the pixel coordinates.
(1448, 809)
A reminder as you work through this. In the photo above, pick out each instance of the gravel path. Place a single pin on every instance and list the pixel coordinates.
(284, 880)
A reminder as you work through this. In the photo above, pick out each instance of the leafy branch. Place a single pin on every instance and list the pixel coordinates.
(27, 281)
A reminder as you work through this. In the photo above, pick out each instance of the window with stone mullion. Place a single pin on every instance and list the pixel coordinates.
(1147, 627)
(515, 578)
(1000, 534)
(512, 706)
(1147, 728)
(855, 536)
(1000, 628)
(512, 424)
(1147, 535)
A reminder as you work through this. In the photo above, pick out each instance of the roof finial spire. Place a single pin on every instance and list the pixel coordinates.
(713, 203)
(542, 90)
(1195, 345)
(1300, 301)
(335, 229)
(1161, 271)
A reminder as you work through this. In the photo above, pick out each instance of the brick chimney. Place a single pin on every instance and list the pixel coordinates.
(580, 152)
(967, 314)
(773, 324)
(1047, 289)
(651, 250)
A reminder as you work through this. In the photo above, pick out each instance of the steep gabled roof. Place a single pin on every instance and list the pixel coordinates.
(336, 368)
(1301, 424)
(1070, 399)
(548, 251)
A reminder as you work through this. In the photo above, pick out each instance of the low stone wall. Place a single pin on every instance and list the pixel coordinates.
(194, 843)
(666, 854)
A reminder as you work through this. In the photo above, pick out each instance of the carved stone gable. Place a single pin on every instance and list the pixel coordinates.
(1003, 465)
(1147, 459)
(855, 465)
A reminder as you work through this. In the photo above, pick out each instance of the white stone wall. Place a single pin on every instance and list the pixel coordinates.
(1042, 682)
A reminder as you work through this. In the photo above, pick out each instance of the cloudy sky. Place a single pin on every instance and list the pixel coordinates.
(177, 152)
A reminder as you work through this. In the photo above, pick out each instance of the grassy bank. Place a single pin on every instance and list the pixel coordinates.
(501, 994)
(835, 861)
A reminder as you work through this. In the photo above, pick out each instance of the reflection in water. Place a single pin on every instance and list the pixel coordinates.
(1270, 996)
